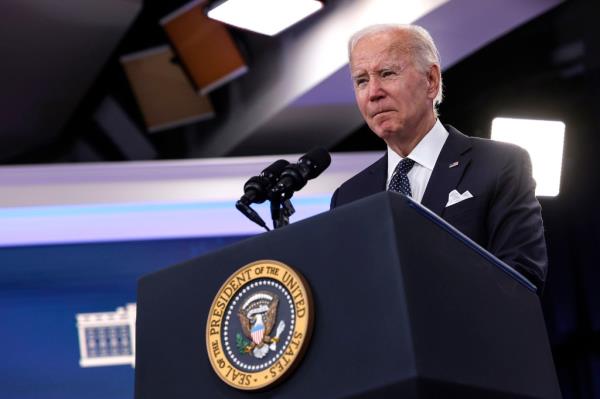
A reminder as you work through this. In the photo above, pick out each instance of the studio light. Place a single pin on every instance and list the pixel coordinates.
(544, 141)
(268, 17)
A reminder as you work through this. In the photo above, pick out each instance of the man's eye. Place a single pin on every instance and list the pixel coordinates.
(360, 82)
(386, 74)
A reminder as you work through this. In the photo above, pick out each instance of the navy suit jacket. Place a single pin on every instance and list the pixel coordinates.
(503, 216)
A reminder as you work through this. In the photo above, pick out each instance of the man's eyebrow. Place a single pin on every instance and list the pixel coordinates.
(358, 74)
(392, 65)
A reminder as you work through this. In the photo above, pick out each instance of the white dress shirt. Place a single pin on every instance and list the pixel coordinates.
(425, 155)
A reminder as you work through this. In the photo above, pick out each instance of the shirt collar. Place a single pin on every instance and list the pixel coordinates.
(427, 150)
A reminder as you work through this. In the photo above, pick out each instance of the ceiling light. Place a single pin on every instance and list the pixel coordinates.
(544, 141)
(268, 17)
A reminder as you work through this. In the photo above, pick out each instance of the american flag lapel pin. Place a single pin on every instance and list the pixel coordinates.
(453, 164)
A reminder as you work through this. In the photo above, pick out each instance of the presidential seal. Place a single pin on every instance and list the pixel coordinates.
(259, 325)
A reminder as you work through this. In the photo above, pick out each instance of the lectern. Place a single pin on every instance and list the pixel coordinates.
(405, 306)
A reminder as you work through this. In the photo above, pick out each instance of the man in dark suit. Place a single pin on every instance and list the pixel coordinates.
(483, 188)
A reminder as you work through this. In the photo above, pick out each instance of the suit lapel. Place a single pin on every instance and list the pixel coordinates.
(376, 177)
(448, 170)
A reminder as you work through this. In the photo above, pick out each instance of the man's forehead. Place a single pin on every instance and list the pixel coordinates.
(373, 58)
(380, 46)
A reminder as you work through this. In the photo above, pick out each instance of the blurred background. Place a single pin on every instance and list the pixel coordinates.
(128, 128)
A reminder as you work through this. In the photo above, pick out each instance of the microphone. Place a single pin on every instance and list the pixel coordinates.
(250, 214)
(256, 189)
(294, 176)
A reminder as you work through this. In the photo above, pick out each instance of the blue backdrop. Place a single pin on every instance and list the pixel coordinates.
(42, 288)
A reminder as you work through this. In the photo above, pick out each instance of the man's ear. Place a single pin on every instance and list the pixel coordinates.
(433, 80)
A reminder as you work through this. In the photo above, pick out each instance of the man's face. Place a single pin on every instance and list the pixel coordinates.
(394, 97)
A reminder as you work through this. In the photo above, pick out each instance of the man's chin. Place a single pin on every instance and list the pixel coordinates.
(385, 134)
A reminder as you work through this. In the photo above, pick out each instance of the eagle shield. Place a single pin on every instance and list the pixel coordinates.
(257, 316)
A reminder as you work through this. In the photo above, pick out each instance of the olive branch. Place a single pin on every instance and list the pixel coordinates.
(242, 344)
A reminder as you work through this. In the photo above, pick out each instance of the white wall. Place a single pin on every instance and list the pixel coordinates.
(147, 200)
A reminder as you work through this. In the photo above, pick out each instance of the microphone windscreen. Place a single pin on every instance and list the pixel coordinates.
(317, 160)
(273, 171)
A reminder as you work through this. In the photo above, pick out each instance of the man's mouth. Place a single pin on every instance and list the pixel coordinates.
(380, 112)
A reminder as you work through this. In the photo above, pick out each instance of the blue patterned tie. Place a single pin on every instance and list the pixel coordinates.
(399, 182)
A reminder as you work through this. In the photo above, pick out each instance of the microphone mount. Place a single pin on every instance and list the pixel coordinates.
(277, 183)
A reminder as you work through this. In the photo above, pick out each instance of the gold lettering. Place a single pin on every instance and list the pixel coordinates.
(298, 295)
(296, 340)
(247, 273)
(215, 348)
(239, 377)
(227, 293)
(300, 306)
(214, 326)
(237, 281)
(236, 376)
(289, 281)
(241, 279)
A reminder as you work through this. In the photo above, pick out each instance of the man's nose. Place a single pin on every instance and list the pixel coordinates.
(376, 91)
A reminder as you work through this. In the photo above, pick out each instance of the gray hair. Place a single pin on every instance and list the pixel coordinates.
(421, 46)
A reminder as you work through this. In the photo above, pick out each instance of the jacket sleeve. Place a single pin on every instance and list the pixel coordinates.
(514, 225)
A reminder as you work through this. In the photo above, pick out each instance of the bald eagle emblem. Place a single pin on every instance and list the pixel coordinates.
(258, 315)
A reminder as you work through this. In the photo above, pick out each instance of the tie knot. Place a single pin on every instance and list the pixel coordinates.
(405, 165)
(399, 181)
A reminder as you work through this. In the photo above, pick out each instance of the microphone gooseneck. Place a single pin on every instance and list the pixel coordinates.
(277, 183)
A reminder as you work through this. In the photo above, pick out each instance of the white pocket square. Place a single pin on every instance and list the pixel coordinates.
(455, 197)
